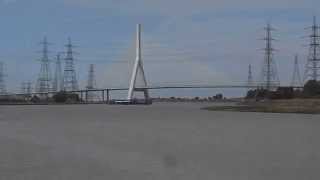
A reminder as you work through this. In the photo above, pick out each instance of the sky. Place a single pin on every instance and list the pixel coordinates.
(185, 42)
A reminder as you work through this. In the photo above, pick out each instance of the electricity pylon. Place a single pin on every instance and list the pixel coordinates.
(91, 84)
(296, 78)
(69, 77)
(44, 79)
(270, 79)
(58, 79)
(312, 71)
(250, 82)
(3, 89)
(28, 88)
(23, 87)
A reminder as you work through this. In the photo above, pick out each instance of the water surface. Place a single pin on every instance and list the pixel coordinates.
(163, 141)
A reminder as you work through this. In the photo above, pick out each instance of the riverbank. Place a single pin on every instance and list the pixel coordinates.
(301, 106)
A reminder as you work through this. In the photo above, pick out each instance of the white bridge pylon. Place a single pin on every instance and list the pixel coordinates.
(138, 70)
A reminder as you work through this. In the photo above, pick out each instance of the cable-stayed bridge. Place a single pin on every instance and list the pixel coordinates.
(138, 77)
(105, 94)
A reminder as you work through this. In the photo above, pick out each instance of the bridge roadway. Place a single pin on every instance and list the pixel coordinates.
(105, 92)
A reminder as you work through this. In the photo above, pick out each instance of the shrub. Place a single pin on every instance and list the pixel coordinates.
(35, 99)
(311, 89)
(63, 97)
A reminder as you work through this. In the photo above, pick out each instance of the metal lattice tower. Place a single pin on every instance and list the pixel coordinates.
(69, 77)
(296, 78)
(44, 79)
(28, 88)
(270, 79)
(58, 79)
(312, 71)
(250, 82)
(91, 78)
(91, 84)
(23, 87)
(3, 89)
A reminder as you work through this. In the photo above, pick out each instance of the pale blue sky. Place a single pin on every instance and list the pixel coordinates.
(185, 41)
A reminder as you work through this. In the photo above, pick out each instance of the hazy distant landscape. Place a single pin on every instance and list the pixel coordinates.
(161, 141)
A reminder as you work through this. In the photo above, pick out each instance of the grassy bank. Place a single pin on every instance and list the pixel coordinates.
(304, 106)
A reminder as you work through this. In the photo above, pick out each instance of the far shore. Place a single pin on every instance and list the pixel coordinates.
(301, 106)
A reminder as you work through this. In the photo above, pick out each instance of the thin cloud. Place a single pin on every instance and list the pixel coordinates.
(187, 7)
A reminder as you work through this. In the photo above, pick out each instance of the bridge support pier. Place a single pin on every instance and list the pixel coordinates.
(108, 96)
(138, 70)
(86, 94)
(103, 96)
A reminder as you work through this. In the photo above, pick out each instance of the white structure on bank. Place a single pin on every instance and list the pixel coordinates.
(138, 71)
